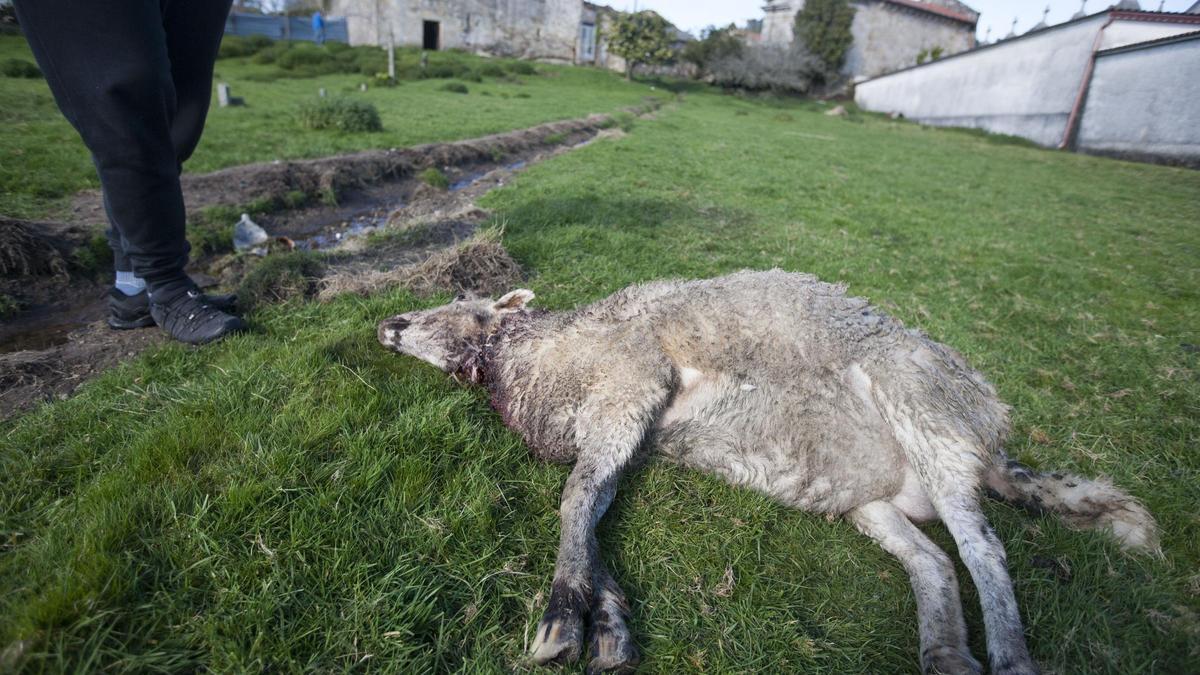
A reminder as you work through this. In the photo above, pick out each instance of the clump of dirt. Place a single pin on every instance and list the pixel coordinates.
(480, 264)
(27, 252)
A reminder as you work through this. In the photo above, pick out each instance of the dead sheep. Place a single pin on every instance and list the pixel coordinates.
(778, 382)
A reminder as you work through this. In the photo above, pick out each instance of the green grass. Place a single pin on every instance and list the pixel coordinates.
(299, 499)
(42, 161)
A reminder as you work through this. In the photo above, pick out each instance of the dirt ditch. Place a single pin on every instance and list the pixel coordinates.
(386, 227)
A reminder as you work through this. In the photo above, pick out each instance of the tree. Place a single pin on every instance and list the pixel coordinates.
(823, 26)
(716, 45)
(641, 38)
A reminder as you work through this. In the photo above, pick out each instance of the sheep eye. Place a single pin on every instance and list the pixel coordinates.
(460, 297)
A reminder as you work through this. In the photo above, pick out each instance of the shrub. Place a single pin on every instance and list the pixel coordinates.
(717, 44)
(19, 68)
(641, 38)
(492, 69)
(769, 68)
(823, 27)
(522, 68)
(236, 46)
(455, 87)
(340, 113)
(305, 54)
(434, 178)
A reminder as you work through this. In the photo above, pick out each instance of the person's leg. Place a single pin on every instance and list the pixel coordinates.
(109, 69)
(107, 65)
(194, 31)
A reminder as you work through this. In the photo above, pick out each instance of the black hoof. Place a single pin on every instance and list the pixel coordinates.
(560, 633)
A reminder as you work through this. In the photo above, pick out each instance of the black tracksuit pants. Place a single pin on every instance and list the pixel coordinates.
(134, 77)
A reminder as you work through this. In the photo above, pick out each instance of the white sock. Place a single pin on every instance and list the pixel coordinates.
(129, 283)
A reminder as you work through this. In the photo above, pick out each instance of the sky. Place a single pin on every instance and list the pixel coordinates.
(694, 15)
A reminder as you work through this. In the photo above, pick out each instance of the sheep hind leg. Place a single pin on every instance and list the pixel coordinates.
(613, 649)
(939, 611)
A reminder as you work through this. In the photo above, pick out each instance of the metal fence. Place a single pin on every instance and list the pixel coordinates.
(285, 27)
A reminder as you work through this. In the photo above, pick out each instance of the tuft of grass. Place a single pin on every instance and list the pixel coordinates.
(341, 114)
(434, 177)
(8, 306)
(455, 88)
(20, 68)
(93, 257)
(279, 278)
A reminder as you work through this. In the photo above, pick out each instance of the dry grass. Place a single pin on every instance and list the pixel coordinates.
(24, 252)
(479, 264)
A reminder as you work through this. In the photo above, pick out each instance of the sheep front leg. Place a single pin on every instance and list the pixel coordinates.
(609, 431)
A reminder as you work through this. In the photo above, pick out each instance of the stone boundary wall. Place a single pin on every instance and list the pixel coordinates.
(1144, 102)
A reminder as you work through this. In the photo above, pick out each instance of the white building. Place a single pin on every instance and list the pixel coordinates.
(1118, 81)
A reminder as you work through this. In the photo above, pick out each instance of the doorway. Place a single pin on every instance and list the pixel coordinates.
(432, 33)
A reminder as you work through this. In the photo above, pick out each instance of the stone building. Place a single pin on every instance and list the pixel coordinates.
(564, 31)
(888, 34)
(548, 30)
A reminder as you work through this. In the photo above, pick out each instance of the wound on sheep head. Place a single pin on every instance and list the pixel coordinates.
(451, 335)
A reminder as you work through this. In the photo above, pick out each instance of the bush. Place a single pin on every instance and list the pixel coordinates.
(19, 68)
(768, 68)
(823, 27)
(340, 113)
(455, 87)
(491, 69)
(718, 44)
(643, 38)
(306, 54)
(522, 68)
(237, 46)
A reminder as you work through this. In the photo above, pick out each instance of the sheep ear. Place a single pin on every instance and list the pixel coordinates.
(513, 300)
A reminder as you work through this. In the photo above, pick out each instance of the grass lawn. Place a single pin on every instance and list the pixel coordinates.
(42, 160)
(298, 499)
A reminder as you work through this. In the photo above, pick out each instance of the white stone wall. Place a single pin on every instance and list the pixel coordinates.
(1025, 87)
(887, 38)
(1145, 103)
(535, 29)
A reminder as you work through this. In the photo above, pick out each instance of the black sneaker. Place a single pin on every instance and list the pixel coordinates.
(133, 311)
(190, 317)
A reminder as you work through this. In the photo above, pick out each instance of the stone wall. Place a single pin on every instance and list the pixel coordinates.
(535, 29)
(1144, 102)
(1025, 86)
(888, 37)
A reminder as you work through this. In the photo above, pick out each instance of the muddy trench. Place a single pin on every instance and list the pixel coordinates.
(422, 239)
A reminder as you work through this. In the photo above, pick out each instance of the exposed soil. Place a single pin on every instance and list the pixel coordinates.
(59, 340)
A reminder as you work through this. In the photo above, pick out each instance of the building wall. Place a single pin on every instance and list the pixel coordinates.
(1145, 103)
(535, 29)
(779, 21)
(1025, 87)
(887, 38)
